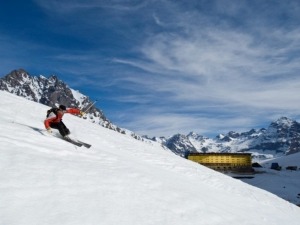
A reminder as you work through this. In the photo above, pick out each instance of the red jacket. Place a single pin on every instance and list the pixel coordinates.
(52, 118)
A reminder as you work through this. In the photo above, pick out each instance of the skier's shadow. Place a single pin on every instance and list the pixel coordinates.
(39, 130)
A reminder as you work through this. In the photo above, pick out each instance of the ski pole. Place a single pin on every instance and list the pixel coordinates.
(90, 106)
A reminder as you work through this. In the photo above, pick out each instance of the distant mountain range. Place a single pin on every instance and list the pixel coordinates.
(282, 137)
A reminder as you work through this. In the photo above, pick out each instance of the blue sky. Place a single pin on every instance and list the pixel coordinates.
(161, 67)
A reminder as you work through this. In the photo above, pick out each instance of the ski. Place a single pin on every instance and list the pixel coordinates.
(84, 144)
(73, 142)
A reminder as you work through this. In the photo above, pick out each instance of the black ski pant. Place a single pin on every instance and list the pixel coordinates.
(63, 130)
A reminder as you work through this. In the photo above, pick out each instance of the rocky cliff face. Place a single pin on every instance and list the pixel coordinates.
(48, 91)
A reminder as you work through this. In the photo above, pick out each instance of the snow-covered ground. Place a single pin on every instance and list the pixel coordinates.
(119, 180)
(284, 183)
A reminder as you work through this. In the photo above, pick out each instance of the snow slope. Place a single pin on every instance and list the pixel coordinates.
(119, 180)
(284, 183)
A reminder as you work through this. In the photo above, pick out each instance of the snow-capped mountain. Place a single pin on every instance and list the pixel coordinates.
(53, 92)
(119, 180)
(282, 137)
(48, 91)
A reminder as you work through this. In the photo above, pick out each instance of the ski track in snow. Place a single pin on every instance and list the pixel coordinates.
(119, 180)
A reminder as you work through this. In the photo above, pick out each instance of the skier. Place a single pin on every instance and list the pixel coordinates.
(54, 119)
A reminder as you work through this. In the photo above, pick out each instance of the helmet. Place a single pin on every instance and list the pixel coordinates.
(62, 107)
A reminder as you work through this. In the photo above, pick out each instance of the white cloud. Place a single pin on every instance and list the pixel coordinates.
(228, 72)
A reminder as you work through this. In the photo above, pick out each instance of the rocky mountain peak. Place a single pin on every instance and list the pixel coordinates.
(195, 136)
(51, 91)
(282, 122)
(179, 144)
(233, 134)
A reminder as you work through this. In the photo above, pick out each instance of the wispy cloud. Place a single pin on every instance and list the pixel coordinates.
(77, 6)
(221, 71)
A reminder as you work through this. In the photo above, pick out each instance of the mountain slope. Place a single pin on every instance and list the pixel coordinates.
(120, 180)
(53, 92)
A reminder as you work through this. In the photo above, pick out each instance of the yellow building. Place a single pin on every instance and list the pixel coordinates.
(224, 162)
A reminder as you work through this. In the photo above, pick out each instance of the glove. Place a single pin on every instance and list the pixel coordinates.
(49, 130)
(82, 114)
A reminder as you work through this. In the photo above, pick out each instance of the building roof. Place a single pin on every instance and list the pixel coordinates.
(220, 153)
